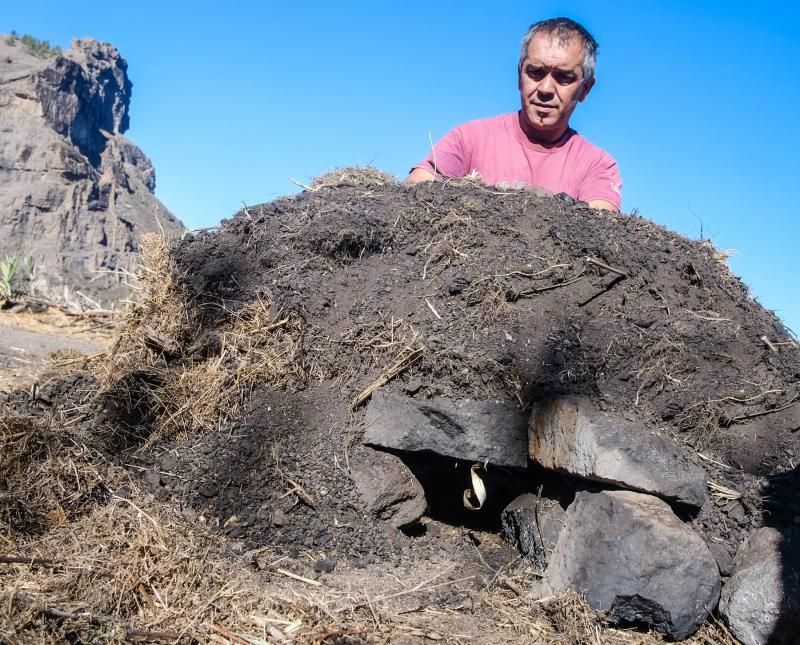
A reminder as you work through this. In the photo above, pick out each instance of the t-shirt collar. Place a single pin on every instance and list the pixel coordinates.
(524, 140)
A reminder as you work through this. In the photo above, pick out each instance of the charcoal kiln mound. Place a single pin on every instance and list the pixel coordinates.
(239, 392)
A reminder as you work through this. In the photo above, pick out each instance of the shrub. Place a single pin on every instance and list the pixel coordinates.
(38, 48)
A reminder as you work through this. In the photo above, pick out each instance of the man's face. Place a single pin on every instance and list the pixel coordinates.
(551, 85)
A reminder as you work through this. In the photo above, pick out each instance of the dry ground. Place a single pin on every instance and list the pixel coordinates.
(27, 341)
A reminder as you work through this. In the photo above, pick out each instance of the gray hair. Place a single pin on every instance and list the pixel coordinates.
(565, 29)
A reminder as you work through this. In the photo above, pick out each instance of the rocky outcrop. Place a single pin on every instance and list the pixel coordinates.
(75, 195)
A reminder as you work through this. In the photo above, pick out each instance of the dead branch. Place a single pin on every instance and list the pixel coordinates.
(233, 638)
(303, 186)
(745, 417)
(388, 374)
(294, 576)
(80, 359)
(529, 292)
(19, 559)
(768, 343)
(603, 265)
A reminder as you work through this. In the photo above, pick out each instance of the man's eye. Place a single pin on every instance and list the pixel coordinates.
(535, 74)
(564, 79)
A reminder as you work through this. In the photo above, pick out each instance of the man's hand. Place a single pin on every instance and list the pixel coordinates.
(603, 205)
(418, 175)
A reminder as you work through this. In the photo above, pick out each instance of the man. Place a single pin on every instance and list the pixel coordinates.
(535, 146)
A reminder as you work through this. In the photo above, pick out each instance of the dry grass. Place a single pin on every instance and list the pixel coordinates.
(267, 346)
(363, 177)
(130, 571)
(44, 479)
(156, 382)
(162, 316)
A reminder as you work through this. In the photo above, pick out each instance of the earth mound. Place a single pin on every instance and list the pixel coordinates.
(235, 394)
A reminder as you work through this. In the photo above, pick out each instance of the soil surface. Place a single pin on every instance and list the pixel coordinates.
(292, 309)
(27, 342)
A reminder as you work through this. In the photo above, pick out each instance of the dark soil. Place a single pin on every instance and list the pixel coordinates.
(507, 294)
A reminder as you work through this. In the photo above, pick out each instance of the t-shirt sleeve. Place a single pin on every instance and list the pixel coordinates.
(449, 157)
(602, 181)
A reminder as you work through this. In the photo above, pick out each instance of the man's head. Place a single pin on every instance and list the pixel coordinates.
(556, 72)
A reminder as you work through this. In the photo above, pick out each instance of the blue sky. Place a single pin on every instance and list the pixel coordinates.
(697, 102)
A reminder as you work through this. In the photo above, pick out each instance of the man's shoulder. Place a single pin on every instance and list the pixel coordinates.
(581, 146)
(492, 124)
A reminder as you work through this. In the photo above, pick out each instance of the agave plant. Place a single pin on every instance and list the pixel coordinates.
(8, 271)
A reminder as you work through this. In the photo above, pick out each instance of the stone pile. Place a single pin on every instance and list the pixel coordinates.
(624, 541)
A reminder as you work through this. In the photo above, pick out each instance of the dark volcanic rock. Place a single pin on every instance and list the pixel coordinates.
(533, 525)
(571, 435)
(75, 195)
(634, 559)
(472, 430)
(761, 601)
(85, 94)
(390, 491)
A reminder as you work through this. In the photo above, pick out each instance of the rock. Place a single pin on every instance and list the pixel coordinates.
(208, 490)
(477, 431)
(723, 558)
(153, 479)
(325, 565)
(169, 464)
(634, 559)
(570, 435)
(533, 525)
(387, 486)
(761, 600)
(76, 196)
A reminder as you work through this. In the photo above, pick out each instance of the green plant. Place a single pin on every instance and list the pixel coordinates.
(8, 271)
(38, 48)
(29, 266)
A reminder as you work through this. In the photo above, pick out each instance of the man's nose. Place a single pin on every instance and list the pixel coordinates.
(546, 85)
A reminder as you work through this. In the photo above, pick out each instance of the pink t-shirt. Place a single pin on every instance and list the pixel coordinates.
(498, 150)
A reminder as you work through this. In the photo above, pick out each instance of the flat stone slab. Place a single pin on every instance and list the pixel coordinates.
(761, 600)
(570, 435)
(477, 431)
(637, 561)
(387, 486)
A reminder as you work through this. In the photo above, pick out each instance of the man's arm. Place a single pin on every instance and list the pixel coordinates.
(419, 175)
(603, 205)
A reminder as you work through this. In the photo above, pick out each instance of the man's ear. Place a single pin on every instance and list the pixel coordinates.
(587, 87)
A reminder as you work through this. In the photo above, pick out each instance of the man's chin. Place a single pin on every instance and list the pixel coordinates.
(541, 123)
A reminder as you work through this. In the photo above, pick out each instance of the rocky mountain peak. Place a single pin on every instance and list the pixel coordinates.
(86, 92)
(75, 194)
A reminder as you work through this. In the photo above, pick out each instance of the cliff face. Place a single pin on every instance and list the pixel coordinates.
(75, 195)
